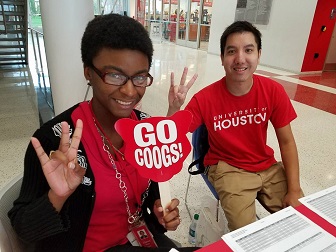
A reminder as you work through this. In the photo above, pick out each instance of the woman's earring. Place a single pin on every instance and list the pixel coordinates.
(87, 90)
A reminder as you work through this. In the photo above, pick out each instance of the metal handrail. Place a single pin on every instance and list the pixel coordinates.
(4, 16)
(25, 10)
(37, 33)
(39, 64)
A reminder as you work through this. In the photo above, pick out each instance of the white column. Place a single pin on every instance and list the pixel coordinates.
(63, 24)
(132, 8)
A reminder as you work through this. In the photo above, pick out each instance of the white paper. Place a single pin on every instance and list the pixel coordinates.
(323, 203)
(130, 236)
(286, 230)
(164, 188)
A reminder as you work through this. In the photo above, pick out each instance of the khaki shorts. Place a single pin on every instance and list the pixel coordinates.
(237, 190)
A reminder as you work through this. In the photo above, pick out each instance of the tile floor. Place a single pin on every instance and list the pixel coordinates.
(313, 96)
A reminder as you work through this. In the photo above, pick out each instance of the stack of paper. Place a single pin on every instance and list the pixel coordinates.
(288, 229)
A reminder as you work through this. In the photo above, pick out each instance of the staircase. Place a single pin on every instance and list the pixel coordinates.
(13, 32)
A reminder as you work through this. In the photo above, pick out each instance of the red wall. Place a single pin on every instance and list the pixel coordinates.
(318, 41)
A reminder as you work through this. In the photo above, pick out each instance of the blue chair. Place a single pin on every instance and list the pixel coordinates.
(200, 147)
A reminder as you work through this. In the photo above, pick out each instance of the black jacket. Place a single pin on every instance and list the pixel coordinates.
(34, 218)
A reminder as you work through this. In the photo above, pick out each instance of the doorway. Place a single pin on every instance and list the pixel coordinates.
(330, 62)
(187, 25)
(193, 23)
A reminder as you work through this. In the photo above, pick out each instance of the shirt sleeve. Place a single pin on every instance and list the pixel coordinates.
(283, 111)
(194, 108)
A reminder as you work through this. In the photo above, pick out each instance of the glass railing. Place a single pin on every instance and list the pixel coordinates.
(38, 62)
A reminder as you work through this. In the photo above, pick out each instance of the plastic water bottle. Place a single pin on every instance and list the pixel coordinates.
(192, 230)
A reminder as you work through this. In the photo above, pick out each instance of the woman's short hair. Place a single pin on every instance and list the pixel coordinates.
(114, 31)
(240, 27)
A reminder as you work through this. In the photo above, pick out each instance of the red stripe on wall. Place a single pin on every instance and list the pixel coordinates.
(318, 42)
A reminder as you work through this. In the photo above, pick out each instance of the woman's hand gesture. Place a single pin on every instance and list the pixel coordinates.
(177, 93)
(61, 168)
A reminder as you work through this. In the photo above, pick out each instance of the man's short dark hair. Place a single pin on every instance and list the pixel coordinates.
(240, 27)
(114, 31)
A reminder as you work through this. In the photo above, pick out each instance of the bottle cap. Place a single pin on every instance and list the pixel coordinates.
(196, 216)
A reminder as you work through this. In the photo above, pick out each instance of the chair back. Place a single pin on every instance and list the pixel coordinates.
(200, 143)
(9, 242)
(201, 146)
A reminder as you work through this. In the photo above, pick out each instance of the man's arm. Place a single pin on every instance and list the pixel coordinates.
(290, 161)
(178, 93)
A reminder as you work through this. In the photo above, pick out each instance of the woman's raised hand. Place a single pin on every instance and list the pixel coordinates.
(61, 168)
(177, 93)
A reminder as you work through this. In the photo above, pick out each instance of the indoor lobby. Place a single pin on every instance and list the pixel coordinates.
(313, 97)
(26, 103)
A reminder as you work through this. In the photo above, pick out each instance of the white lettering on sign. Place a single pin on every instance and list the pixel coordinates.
(147, 139)
(166, 133)
(159, 157)
(171, 130)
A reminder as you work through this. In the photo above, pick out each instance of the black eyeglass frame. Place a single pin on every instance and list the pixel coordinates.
(103, 75)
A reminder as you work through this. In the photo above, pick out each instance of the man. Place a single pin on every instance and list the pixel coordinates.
(236, 111)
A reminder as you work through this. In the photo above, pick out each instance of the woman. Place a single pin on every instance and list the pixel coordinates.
(85, 196)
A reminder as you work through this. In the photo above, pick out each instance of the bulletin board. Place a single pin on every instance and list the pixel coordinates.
(253, 11)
